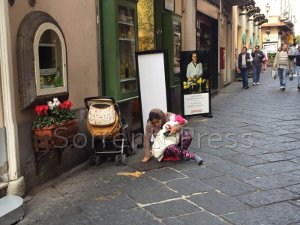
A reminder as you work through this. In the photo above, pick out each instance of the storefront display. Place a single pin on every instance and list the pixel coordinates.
(146, 25)
(120, 68)
(172, 42)
(207, 44)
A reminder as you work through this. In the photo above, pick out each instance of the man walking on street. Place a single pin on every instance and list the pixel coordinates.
(243, 66)
(281, 64)
(258, 57)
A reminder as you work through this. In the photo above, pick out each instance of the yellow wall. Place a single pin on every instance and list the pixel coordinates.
(207, 9)
(178, 7)
(77, 20)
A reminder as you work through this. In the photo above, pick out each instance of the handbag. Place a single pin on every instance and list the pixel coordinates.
(102, 114)
(274, 74)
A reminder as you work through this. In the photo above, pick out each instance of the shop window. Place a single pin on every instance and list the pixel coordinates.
(145, 25)
(42, 60)
(50, 60)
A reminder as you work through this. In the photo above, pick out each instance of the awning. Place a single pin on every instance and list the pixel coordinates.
(278, 24)
(241, 2)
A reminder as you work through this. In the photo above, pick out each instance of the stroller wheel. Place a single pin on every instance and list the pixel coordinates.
(124, 160)
(129, 150)
(91, 161)
(118, 160)
(98, 160)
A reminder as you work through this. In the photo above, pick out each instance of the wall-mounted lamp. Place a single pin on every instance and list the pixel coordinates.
(268, 32)
(11, 2)
(267, 8)
(30, 2)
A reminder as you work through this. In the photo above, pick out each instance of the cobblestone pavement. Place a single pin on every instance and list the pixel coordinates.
(251, 173)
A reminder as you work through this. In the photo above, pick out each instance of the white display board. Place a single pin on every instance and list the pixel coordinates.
(196, 104)
(153, 86)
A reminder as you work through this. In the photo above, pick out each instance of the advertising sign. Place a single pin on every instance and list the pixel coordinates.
(195, 82)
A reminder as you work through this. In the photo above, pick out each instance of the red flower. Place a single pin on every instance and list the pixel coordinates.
(41, 110)
(66, 105)
(45, 109)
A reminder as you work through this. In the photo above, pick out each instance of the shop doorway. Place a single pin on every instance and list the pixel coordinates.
(207, 44)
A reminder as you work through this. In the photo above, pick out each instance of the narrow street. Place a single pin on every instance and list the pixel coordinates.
(251, 173)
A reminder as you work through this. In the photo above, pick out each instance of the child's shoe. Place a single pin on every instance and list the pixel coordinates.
(198, 160)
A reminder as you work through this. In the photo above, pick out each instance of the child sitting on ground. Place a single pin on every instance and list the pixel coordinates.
(164, 139)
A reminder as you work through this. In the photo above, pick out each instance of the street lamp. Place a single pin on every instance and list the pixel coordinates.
(267, 8)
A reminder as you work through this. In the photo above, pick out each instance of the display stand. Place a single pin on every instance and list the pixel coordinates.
(153, 82)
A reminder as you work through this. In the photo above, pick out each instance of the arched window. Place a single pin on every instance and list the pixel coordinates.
(50, 60)
(42, 60)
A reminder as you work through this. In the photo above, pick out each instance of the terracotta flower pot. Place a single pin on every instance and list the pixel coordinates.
(54, 136)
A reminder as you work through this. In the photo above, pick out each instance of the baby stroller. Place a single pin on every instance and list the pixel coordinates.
(109, 132)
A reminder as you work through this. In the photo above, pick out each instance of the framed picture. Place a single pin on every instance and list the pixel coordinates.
(170, 5)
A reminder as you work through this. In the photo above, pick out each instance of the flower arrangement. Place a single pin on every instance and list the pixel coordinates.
(53, 113)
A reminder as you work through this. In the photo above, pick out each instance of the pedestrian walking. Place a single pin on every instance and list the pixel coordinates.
(265, 60)
(293, 51)
(296, 56)
(258, 57)
(281, 64)
(243, 66)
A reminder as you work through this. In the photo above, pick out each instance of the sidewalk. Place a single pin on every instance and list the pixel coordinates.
(251, 173)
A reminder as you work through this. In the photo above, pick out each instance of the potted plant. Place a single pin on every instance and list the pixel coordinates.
(55, 124)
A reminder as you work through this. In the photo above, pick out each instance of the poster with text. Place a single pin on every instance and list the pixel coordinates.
(195, 82)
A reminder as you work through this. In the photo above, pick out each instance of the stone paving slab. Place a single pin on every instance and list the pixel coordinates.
(261, 198)
(294, 152)
(165, 174)
(218, 203)
(234, 170)
(188, 186)
(126, 217)
(202, 218)
(270, 147)
(277, 214)
(219, 151)
(151, 195)
(293, 135)
(292, 145)
(275, 167)
(105, 204)
(127, 182)
(252, 151)
(295, 202)
(244, 159)
(202, 173)
(274, 181)
(294, 188)
(274, 157)
(229, 185)
(172, 209)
